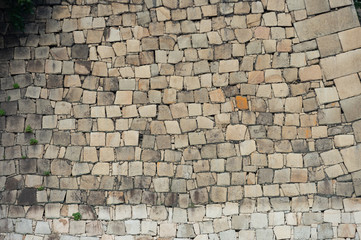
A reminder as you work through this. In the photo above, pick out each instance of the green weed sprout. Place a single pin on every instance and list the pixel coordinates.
(77, 216)
(33, 141)
(28, 129)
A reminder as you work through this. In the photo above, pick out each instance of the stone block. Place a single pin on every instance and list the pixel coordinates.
(348, 86)
(350, 156)
(351, 108)
(310, 28)
(347, 39)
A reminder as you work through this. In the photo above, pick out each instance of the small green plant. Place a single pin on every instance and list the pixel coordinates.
(28, 129)
(9, 98)
(41, 188)
(47, 173)
(357, 3)
(2, 112)
(23, 157)
(16, 85)
(18, 11)
(33, 141)
(77, 216)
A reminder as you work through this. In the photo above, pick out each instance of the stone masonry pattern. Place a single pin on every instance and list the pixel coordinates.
(181, 119)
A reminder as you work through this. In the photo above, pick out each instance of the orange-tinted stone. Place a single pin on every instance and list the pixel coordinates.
(241, 102)
(255, 77)
(284, 46)
(262, 33)
(304, 132)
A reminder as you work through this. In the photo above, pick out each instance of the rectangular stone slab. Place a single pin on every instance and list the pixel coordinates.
(341, 65)
(327, 23)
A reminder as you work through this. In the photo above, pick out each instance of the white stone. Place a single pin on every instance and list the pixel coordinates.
(247, 147)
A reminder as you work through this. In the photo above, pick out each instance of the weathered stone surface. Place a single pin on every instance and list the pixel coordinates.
(351, 108)
(341, 64)
(311, 28)
(351, 156)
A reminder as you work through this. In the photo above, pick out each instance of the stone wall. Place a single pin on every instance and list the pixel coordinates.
(181, 119)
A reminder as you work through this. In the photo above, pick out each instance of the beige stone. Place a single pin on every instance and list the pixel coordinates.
(329, 45)
(310, 28)
(130, 138)
(350, 156)
(236, 132)
(349, 38)
(163, 14)
(100, 69)
(348, 86)
(310, 73)
(143, 72)
(326, 95)
(123, 97)
(217, 96)
(243, 35)
(97, 139)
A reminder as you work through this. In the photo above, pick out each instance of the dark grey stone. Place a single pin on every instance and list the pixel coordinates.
(66, 39)
(231, 91)
(4, 69)
(344, 189)
(299, 146)
(185, 96)
(140, 97)
(27, 196)
(55, 81)
(324, 144)
(319, 203)
(14, 183)
(134, 196)
(125, 153)
(201, 96)
(265, 175)
(312, 159)
(61, 138)
(6, 54)
(80, 51)
(27, 166)
(105, 98)
(257, 131)
(43, 106)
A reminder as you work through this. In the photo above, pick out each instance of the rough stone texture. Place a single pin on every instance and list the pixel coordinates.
(181, 119)
(314, 27)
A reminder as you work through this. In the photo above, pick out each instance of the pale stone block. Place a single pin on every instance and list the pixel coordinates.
(148, 111)
(130, 138)
(100, 169)
(163, 14)
(228, 66)
(236, 132)
(350, 156)
(326, 95)
(123, 97)
(97, 139)
(247, 147)
(348, 86)
(282, 232)
(310, 28)
(344, 140)
(172, 127)
(143, 72)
